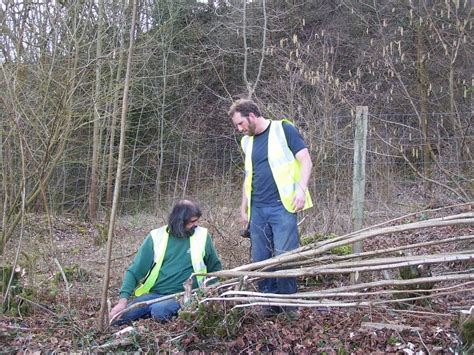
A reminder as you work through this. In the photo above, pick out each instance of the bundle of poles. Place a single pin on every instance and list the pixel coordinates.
(316, 260)
(236, 286)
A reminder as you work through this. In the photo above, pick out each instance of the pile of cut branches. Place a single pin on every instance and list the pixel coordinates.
(316, 259)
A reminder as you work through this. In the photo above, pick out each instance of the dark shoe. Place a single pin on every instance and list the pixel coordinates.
(270, 311)
(289, 313)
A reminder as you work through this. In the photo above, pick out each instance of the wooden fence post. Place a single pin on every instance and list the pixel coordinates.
(358, 180)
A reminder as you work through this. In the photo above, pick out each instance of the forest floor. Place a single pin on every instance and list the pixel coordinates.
(50, 315)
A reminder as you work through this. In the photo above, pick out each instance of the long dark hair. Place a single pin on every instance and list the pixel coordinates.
(183, 211)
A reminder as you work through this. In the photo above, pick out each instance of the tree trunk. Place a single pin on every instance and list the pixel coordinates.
(94, 179)
(113, 123)
(161, 147)
(118, 176)
(422, 77)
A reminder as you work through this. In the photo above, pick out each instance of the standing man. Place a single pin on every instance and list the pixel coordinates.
(277, 171)
(165, 260)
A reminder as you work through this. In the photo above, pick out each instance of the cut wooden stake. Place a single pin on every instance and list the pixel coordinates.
(397, 327)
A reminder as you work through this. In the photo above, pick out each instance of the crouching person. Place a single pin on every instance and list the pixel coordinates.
(165, 260)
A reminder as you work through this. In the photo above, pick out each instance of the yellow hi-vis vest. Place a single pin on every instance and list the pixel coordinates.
(197, 244)
(285, 168)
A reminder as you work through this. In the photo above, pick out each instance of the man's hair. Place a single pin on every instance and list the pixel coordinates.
(244, 107)
(183, 211)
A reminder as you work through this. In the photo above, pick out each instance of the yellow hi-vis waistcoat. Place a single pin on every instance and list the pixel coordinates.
(286, 170)
(197, 244)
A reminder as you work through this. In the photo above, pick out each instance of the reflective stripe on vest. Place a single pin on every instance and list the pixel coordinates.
(286, 170)
(197, 245)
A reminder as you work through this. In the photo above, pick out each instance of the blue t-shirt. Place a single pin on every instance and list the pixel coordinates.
(264, 189)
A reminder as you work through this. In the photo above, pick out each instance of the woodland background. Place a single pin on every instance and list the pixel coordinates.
(78, 77)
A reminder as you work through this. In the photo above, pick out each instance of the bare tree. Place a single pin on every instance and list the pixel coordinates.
(118, 176)
(44, 118)
(114, 115)
(94, 178)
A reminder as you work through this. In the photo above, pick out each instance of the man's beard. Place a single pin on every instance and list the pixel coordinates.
(251, 130)
(190, 232)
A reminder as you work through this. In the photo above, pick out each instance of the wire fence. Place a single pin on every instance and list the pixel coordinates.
(209, 166)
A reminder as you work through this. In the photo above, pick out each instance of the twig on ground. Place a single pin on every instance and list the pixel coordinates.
(422, 342)
(113, 259)
(65, 282)
(22, 329)
(114, 343)
(44, 308)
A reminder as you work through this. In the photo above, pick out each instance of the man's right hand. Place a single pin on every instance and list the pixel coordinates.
(120, 306)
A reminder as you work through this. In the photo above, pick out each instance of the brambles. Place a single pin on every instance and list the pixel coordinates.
(212, 319)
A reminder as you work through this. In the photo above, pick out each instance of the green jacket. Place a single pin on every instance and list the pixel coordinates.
(175, 270)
